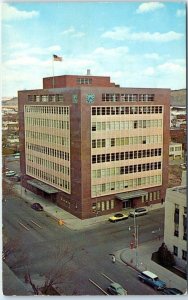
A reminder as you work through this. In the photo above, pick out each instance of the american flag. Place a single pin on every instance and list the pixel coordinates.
(57, 58)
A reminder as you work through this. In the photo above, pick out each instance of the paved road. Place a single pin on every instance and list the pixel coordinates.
(42, 247)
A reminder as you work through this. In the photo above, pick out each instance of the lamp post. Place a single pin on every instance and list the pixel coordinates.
(135, 238)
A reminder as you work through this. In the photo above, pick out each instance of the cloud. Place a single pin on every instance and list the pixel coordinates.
(26, 61)
(147, 7)
(19, 50)
(181, 13)
(150, 71)
(171, 67)
(12, 13)
(54, 48)
(18, 45)
(101, 51)
(72, 32)
(125, 33)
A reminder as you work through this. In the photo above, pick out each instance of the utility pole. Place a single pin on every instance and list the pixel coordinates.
(135, 238)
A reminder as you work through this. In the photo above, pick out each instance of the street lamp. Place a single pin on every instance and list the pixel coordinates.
(135, 238)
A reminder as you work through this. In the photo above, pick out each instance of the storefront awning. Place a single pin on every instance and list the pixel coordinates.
(43, 186)
(130, 195)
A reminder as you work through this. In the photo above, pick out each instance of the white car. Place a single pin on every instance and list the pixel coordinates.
(10, 173)
(138, 212)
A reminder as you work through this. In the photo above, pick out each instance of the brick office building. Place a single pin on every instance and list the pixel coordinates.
(93, 147)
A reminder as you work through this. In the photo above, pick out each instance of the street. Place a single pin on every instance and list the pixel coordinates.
(90, 248)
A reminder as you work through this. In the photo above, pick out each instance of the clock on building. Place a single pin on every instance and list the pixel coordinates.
(90, 98)
(75, 98)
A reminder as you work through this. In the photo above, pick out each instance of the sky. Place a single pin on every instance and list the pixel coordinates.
(137, 44)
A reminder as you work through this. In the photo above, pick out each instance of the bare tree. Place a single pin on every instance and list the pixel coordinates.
(59, 271)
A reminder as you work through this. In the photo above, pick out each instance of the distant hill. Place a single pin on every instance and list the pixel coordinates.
(178, 97)
(10, 102)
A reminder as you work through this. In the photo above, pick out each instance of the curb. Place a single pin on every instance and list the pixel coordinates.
(127, 263)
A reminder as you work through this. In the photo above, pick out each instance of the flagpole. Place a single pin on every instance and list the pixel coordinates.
(53, 71)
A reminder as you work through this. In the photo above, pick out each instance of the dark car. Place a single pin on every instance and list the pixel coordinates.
(152, 280)
(37, 206)
(172, 291)
(16, 178)
(116, 289)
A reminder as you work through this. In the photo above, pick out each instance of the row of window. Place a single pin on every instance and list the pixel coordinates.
(50, 138)
(118, 125)
(118, 186)
(126, 110)
(179, 148)
(103, 205)
(126, 170)
(44, 176)
(177, 221)
(48, 164)
(84, 80)
(47, 123)
(125, 155)
(49, 151)
(45, 98)
(184, 253)
(59, 110)
(112, 142)
(127, 97)
(151, 196)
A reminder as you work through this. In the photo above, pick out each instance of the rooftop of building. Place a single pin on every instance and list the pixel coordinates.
(175, 144)
(180, 189)
(88, 80)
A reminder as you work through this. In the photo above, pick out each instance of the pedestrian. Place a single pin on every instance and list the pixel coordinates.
(113, 259)
(162, 201)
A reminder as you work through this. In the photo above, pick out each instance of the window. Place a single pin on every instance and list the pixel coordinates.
(94, 126)
(185, 227)
(93, 143)
(112, 142)
(175, 250)
(84, 80)
(184, 255)
(112, 204)
(176, 229)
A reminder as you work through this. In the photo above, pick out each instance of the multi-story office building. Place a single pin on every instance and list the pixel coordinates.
(93, 147)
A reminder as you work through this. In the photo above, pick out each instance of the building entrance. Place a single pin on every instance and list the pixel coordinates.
(127, 204)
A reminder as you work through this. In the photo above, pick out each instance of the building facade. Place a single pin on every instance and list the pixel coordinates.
(93, 147)
(175, 233)
(175, 150)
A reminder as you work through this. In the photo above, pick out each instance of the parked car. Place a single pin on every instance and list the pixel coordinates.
(10, 173)
(118, 217)
(37, 206)
(116, 289)
(171, 291)
(152, 280)
(17, 178)
(140, 211)
(183, 166)
(17, 156)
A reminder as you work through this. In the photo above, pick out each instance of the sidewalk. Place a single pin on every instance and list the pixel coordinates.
(67, 219)
(128, 256)
(12, 285)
